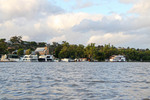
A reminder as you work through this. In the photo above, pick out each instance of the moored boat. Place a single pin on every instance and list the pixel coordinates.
(45, 58)
(30, 58)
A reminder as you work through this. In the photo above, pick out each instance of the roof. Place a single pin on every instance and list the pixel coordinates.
(40, 49)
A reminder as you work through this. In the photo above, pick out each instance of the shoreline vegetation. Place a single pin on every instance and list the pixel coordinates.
(101, 53)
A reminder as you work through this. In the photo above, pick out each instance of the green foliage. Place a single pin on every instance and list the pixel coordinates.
(66, 50)
(100, 56)
(41, 44)
(80, 51)
(28, 52)
(91, 51)
(16, 39)
(57, 51)
(20, 52)
(3, 46)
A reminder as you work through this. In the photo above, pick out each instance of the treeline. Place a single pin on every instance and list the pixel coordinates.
(17, 45)
(66, 50)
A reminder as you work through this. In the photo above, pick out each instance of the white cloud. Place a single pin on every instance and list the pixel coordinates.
(142, 7)
(113, 23)
(113, 38)
(26, 38)
(58, 39)
(128, 1)
(26, 8)
(39, 20)
(65, 21)
(79, 4)
(121, 39)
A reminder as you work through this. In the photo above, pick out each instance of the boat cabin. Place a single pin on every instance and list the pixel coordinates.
(45, 58)
(30, 58)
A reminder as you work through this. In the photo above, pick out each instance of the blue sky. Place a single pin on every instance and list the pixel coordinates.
(105, 7)
(118, 22)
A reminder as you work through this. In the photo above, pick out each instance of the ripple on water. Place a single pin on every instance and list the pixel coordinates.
(79, 81)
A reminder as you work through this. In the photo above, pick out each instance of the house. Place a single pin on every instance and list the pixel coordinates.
(117, 58)
(43, 50)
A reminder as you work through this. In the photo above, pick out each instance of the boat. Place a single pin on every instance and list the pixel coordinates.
(45, 58)
(67, 60)
(117, 58)
(10, 58)
(30, 58)
(80, 60)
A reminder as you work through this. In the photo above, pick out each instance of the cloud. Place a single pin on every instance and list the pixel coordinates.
(40, 20)
(113, 38)
(113, 23)
(58, 39)
(128, 1)
(80, 5)
(68, 20)
(107, 24)
(25, 38)
(121, 39)
(27, 8)
(142, 7)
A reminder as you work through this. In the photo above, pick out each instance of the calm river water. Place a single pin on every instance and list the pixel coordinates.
(75, 81)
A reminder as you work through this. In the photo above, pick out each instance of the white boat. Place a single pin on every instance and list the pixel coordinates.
(67, 60)
(56, 60)
(80, 60)
(10, 58)
(30, 58)
(45, 58)
(117, 58)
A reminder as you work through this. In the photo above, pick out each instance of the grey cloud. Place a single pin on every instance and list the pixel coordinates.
(104, 25)
(115, 25)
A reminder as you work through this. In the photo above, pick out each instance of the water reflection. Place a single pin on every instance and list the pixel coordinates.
(66, 81)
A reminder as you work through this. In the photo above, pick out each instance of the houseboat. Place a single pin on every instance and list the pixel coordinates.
(117, 58)
(10, 58)
(45, 58)
(30, 58)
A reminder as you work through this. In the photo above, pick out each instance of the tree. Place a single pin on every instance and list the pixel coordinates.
(3, 46)
(16, 39)
(91, 51)
(41, 44)
(100, 56)
(57, 51)
(32, 45)
(80, 51)
(28, 52)
(64, 53)
(20, 52)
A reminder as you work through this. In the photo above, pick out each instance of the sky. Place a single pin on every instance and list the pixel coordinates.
(122, 23)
